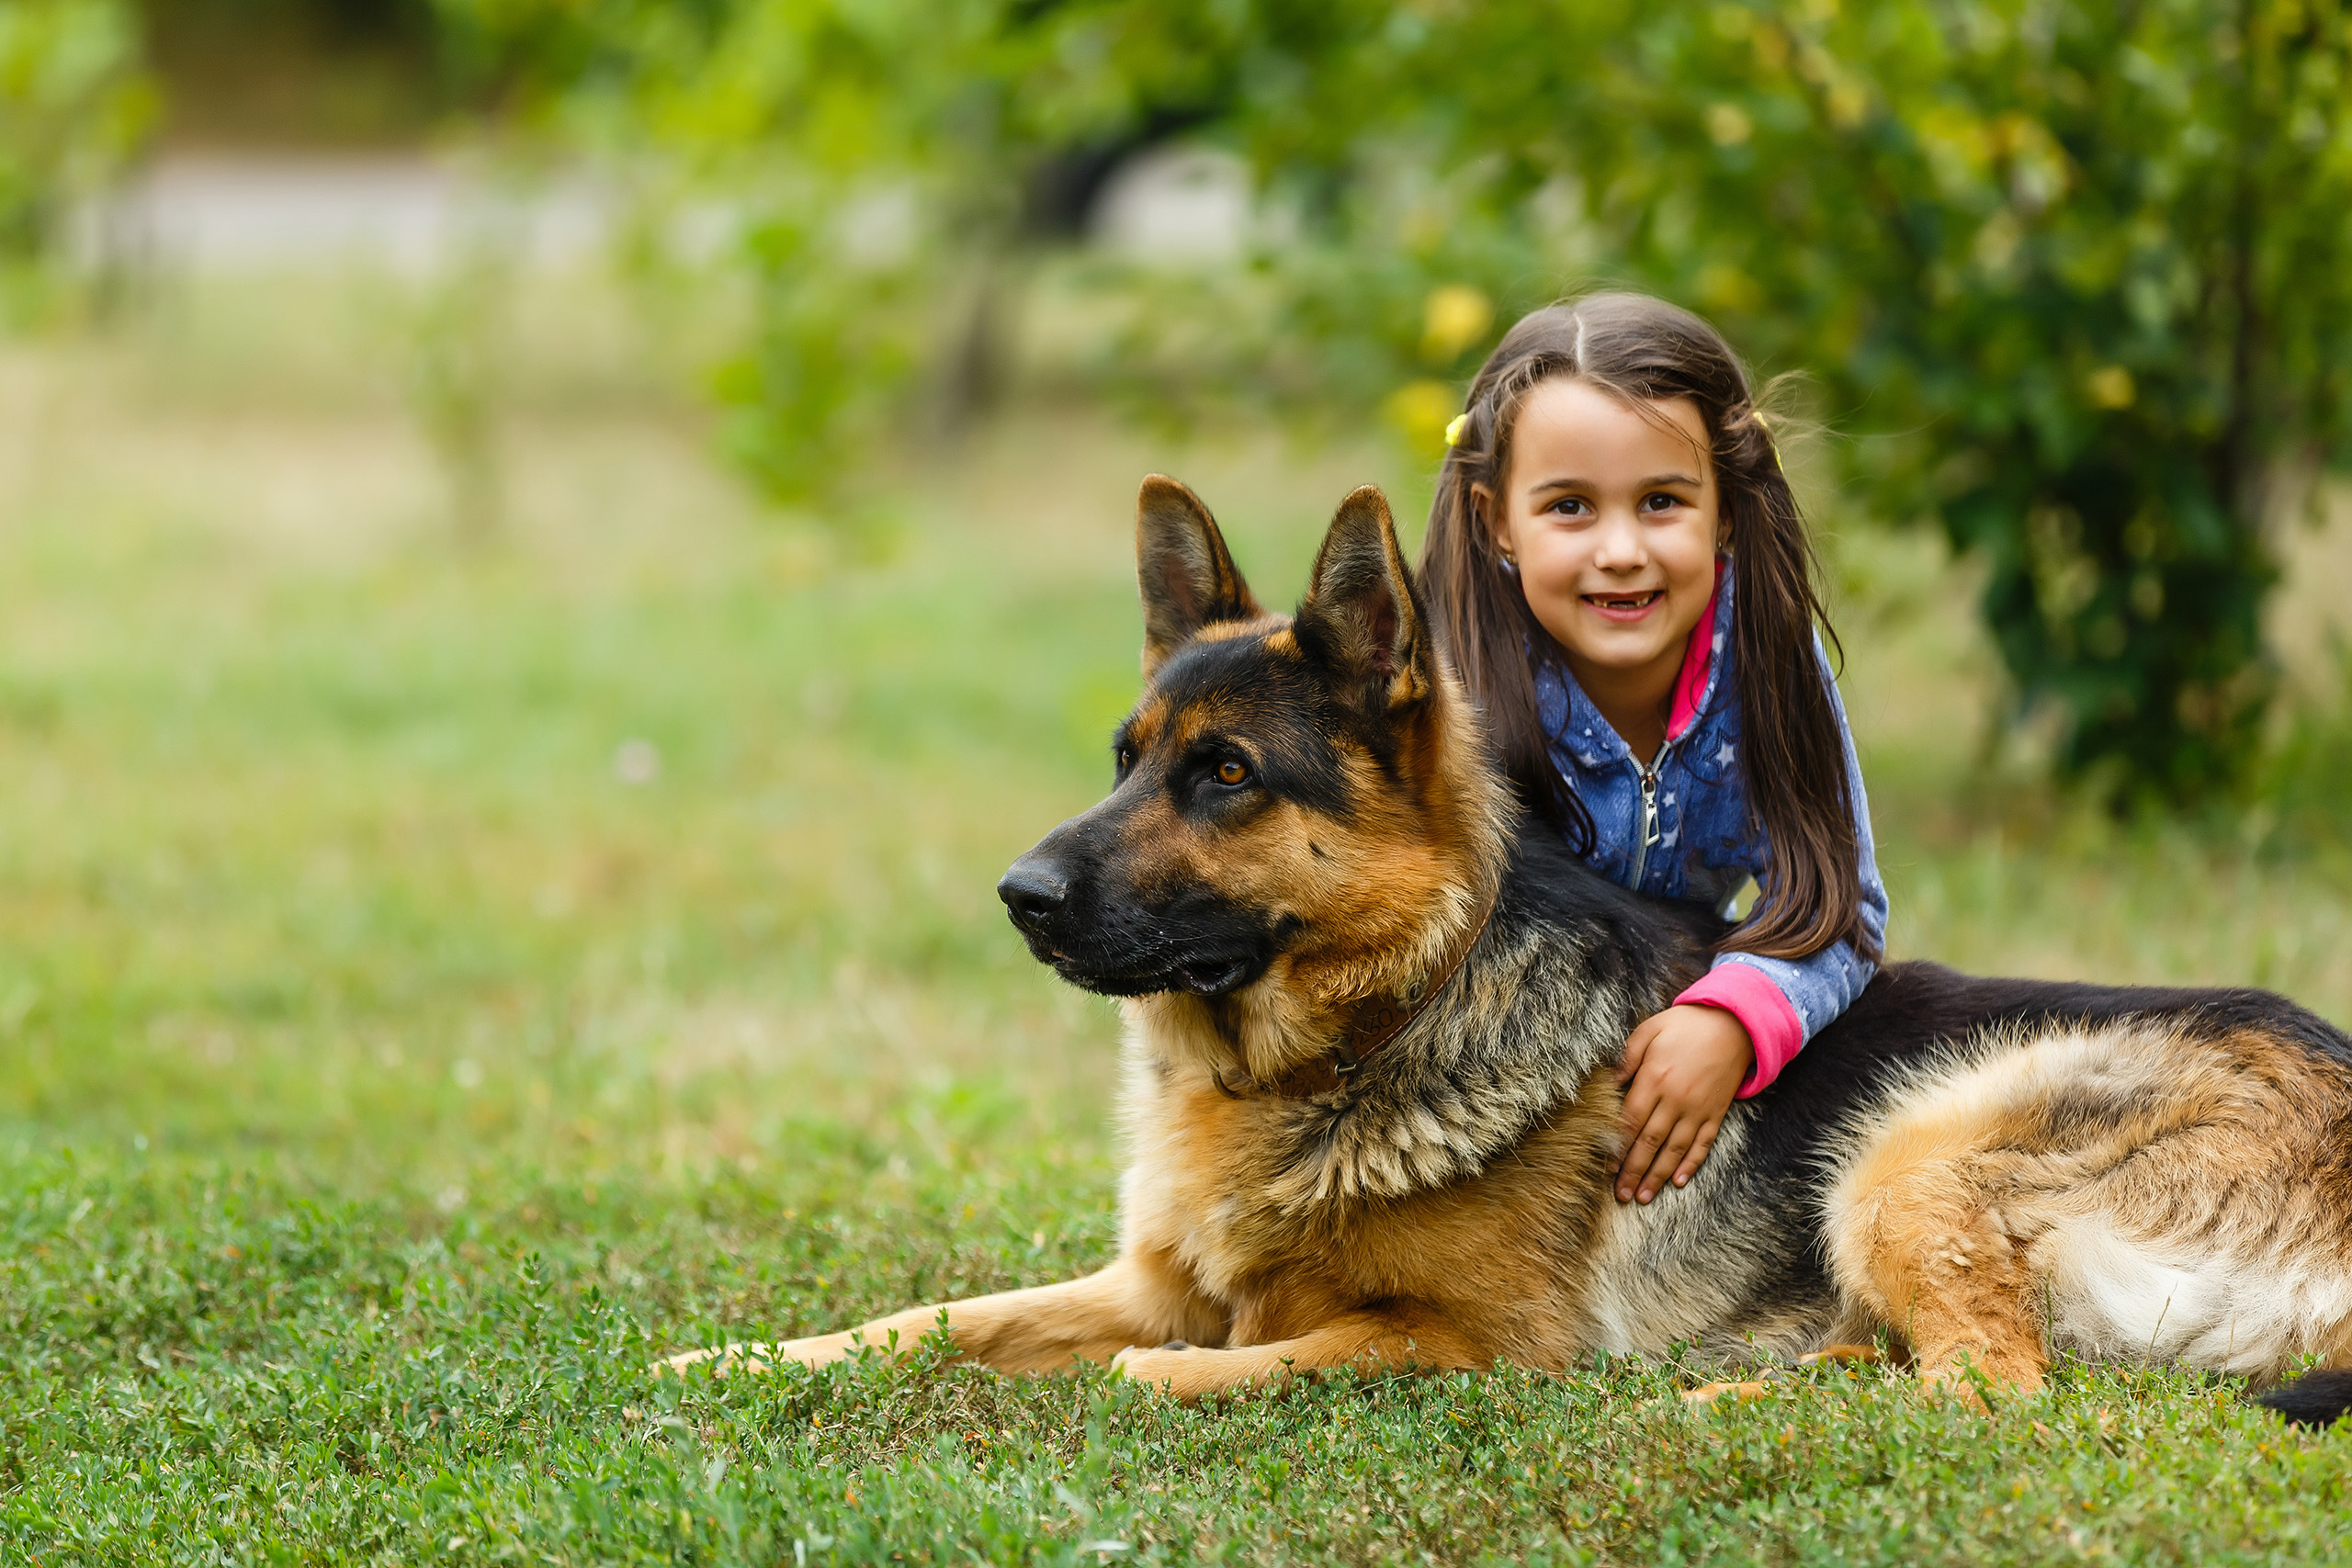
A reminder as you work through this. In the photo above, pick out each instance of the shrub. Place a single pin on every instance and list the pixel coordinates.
(74, 106)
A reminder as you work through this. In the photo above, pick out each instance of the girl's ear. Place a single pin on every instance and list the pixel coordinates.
(1359, 620)
(1184, 571)
(1487, 516)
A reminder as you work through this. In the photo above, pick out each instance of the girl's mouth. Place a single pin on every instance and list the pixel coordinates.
(1625, 606)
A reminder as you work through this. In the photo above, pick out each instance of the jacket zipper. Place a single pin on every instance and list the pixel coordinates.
(1650, 825)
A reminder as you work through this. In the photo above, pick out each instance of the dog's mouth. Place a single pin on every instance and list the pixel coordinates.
(1210, 974)
(1206, 976)
(1215, 977)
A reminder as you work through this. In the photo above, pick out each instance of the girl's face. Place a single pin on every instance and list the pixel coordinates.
(1610, 513)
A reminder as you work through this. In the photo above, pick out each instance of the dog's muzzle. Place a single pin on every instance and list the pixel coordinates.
(1093, 949)
(1034, 892)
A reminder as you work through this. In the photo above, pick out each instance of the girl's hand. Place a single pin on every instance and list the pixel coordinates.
(1680, 1070)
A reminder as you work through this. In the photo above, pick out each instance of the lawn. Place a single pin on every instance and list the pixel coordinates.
(437, 977)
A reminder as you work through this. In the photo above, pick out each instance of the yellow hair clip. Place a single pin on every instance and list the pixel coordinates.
(1454, 430)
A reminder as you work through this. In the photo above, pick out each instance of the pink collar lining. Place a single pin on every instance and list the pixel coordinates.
(1698, 660)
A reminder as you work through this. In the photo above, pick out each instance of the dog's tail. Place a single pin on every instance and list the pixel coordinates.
(2316, 1399)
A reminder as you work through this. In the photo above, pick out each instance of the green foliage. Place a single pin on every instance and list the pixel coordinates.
(2086, 274)
(212, 1367)
(452, 381)
(868, 160)
(2079, 279)
(797, 116)
(74, 107)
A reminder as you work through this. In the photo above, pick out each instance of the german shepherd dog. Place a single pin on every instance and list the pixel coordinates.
(1372, 1016)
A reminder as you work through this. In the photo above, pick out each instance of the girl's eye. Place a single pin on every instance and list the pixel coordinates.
(1231, 773)
(1570, 506)
(1659, 501)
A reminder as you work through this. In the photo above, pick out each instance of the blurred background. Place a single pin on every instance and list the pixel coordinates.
(552, 549)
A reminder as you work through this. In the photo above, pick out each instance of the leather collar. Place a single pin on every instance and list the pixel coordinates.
(1371, 1023)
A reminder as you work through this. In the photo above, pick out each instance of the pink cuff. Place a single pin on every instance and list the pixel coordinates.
(1772, 1026)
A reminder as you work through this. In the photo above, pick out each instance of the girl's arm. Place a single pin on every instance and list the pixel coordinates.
(1783, 1002)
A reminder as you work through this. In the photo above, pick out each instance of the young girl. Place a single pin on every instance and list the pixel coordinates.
(1621, 572)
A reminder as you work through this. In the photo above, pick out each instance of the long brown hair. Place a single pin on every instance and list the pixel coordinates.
(1792, 755)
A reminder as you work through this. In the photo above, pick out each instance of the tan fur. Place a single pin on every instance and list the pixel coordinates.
(1456, 1278)
(1983, 1222)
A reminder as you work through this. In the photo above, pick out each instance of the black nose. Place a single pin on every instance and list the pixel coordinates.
(1033, 890)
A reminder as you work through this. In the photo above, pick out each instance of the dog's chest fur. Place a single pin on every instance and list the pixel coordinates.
(1465, 1164)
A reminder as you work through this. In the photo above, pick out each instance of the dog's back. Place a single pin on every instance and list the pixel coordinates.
(2002, 1169)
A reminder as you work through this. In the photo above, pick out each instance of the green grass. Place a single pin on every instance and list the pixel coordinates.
(389, 1080)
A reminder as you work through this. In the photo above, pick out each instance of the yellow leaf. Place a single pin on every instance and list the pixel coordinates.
(1723, 287)
(1419, 411)
(2111, 387)
(1454, 316)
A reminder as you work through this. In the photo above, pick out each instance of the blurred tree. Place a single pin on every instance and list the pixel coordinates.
(74, 107)
(2088, 268)
(456, 351)
(883, 164)
(301, 73)
(2082, 273)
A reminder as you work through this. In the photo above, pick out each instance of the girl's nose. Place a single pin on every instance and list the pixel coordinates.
(1620, 546)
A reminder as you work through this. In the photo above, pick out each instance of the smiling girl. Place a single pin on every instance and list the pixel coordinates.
(1620, 569)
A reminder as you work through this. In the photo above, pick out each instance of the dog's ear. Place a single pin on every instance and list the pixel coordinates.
(1359, 619)
(1181, 564)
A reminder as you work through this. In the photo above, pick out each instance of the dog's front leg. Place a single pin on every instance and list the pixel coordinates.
(1043, 1328)
(1398, 1339)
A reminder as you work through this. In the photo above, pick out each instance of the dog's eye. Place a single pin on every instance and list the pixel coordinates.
(1124, 758)
(1230, 774)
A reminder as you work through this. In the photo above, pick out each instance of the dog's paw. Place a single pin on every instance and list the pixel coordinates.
(738, 1358)
(1979, 1383)
(817, 1351)
(1135, 1360)
(1737, 1392)
(1168, 1368)
(1953, 1385)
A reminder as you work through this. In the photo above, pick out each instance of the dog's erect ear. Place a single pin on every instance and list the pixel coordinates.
(1183, 568)
(1358, 618)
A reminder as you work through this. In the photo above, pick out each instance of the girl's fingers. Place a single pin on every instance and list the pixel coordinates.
(1642, 1108)
(1669, 1156)
(1642, 1099)
(1637, 1045)
(1636, 1164)
(1699, 1151)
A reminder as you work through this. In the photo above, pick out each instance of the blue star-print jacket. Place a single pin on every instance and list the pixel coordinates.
(1681, 829)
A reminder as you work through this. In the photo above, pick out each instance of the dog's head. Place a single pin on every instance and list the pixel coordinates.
(1304, 795)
